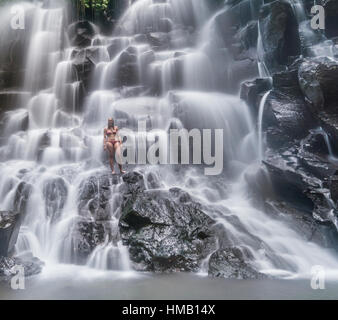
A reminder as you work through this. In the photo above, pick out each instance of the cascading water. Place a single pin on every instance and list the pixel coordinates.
(61, 149)
(260, 125)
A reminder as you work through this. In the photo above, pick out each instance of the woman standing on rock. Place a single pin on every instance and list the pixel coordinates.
(112, 142)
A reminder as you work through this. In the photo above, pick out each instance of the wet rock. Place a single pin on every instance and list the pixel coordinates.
(86, 235)
(164, 231)
(279, 31)
(302, 222)
(84, 65)
(158, 40)
(10, 100)
(286, 117)
(10, 223)
(94, 197)
(248, 35)
(331, 17)
(55, 193)
(127, 74)
(315, 143)
(81, 33)
(8, 267)
(297, 178)
(241, 70)
(251, 92)
(230, 263)
(329, 123)
(21, 197)
(318, 81)
(334, 187)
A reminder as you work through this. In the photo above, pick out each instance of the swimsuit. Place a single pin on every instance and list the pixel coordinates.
(110, 132)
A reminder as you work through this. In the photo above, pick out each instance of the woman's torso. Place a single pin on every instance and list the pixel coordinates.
(111, 133)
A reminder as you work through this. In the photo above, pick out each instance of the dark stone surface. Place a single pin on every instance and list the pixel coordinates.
(334, 187)
(252, 90)
(32, 266)
(331, 18)
(230, 263)
(86, 235)
(300, 179)
(279, 31)
(55, 193)
(164, 230)
(10, 223)
(318, 79)
(94, 196)
(81, 33)
(84, 65)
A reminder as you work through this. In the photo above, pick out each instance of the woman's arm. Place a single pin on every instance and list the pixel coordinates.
(117, 137)
(105, 139)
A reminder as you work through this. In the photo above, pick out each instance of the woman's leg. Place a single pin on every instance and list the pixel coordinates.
(111, 156)
(117, 147)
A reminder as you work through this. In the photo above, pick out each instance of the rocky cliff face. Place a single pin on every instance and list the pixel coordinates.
(300, 125)
(166, 230)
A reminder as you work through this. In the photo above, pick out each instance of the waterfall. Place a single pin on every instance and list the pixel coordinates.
(260, 125)
(172, 81)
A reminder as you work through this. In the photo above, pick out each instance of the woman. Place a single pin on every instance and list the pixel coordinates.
(112, 142)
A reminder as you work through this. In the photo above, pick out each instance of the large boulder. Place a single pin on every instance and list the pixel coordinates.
(286, 115)
(279, 31)
(95, 195)
(230, 263)
(85, 236)
(300, 178)
(164, 230)
(31, 266)
(318, 79)
(81, 33)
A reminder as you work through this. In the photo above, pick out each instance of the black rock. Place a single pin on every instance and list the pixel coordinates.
(280, 36)
(85, 236)
(10, 223)
(81, 33)
(164, 231)
(251, 92)
(318, 79)
(22, 194)
(331, 17)
(297, 178)
(84, 64)
(285, 118)
(31, 266)
(230, 263)
(334, 187)
(94, 196)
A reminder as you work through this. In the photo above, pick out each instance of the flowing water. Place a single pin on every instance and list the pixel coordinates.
(62, 147)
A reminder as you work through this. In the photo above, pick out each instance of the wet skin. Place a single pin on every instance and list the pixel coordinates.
(112, 143)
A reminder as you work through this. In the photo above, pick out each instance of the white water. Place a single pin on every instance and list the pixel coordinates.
(64, 148)
(260, 125)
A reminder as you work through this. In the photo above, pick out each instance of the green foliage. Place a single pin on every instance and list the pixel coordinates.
(98, 5)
